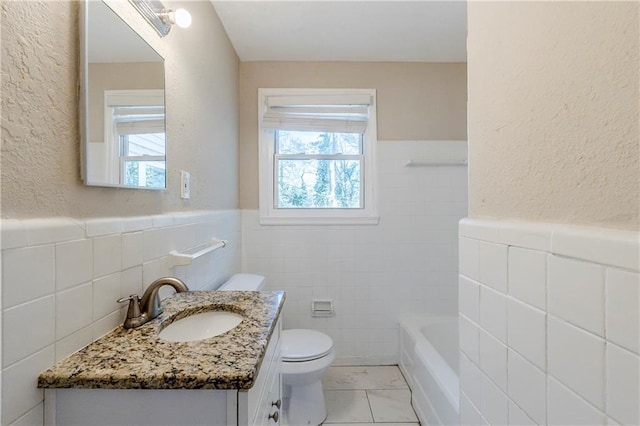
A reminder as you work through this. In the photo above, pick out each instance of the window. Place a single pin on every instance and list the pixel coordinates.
(136, 137)
(142, 162)
(317, 156)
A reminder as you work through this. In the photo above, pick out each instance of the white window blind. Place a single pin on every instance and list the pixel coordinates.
(324, 113)
(137, 120)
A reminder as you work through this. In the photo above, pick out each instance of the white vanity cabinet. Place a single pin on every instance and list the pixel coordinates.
(258, 406)
(264, 399)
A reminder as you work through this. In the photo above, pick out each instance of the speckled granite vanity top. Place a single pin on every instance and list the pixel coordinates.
(138, 359)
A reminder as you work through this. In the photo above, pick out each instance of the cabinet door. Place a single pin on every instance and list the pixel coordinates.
(270, 410)
(256, 404)
(274, 399)
(125, 407)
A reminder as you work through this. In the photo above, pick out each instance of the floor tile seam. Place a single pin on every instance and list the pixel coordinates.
(410, 405)
(345, 389)
(391, 389)
(373, 419)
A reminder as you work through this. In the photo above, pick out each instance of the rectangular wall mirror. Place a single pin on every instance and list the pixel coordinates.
(123, 104)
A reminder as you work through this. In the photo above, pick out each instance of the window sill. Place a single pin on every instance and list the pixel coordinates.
(295, 221)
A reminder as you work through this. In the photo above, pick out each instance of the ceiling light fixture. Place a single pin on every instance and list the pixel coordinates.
(161, 18)
(180, 17)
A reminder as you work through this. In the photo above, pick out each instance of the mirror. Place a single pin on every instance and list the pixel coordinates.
(123, 111)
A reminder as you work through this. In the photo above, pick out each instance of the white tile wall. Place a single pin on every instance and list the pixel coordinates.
(469, 250)
(623, 308)
(568, 408)
(74, 263)
(405, 264)
(131, 249)
(470, 381)
(469, 298)
(27, 328)
(611, 422)
(493, 402)
(528, 387)
(61, 278)
(13, 234)
(19, 384)
(107, 257)
(22, 282)
(35, 416)
(131, 281)
(576, 358)
(106, 292)
(517, 416)
(493, 359)
(493, 265)
(528, 276)
(104, 226)
(622, 378)
(469, 334)
(571, 324)
(493, 312)
(567, 278)
(68, 345)
(469, 414)
(527, 332)
(55, 230)
(602, 246)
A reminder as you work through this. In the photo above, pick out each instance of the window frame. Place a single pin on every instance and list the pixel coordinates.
(112, 138)
(270, 215)
(141, 159)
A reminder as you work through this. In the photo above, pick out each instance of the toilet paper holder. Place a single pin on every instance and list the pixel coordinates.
(322, 308)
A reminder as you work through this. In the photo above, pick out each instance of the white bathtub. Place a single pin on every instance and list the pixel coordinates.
(429, 362)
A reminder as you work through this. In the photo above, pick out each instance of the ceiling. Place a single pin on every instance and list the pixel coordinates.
(346, 30)
(110, 39)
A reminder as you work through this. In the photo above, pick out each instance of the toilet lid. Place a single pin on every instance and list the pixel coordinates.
(305, 345)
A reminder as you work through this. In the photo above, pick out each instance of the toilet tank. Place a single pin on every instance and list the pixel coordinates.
(244, 282)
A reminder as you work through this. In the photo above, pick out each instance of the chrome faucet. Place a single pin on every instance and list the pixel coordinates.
(143, 310)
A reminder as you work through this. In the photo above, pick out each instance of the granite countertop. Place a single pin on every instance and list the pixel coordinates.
(138, 359)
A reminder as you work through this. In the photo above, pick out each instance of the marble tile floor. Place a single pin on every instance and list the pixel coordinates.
(371, 395)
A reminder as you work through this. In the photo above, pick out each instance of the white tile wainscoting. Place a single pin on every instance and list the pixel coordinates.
(61, 278)
(407, 263)
(549, 324)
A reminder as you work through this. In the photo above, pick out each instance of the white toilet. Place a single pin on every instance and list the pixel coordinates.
(306, 356)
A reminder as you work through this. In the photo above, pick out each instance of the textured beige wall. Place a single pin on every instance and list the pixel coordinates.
(553, 112)
(40, 137)
(416, 101)
(114, 76)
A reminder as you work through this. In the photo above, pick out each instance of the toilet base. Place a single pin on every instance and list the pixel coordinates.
(304, 405)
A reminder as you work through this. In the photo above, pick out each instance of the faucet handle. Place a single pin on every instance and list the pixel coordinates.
(133, 311)
(126, 299)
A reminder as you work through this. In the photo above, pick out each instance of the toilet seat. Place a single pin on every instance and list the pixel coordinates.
(304, 345)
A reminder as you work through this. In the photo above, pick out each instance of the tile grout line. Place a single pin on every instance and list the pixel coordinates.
(366, 393)
(375, 387)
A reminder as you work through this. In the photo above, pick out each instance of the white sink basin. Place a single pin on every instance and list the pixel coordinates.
(200, 326)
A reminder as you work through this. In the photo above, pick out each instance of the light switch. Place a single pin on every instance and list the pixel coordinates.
(185, 185)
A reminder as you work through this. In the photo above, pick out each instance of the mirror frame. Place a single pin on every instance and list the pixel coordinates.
(84, 98)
